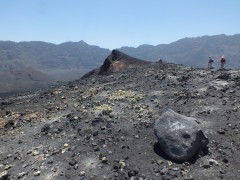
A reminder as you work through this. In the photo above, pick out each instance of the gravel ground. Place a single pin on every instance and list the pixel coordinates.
(101, 127)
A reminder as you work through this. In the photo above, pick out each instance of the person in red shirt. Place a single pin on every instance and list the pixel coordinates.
(222, 61)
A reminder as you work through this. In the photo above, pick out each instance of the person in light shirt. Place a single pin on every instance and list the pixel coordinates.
(210, 61)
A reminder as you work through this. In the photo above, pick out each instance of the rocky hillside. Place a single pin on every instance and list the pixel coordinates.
(101, 127)
(115, 62)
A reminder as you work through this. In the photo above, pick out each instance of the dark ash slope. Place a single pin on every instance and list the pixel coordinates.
(101, 126)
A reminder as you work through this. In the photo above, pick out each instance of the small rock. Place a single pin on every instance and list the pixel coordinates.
(54, 169)
(169, 163)
(94, 144)
(37, 173)
(222, 171)
(75, 118)
(82, 173)
(122, 138)
(212, 162)
(45, 127)
(206, 164)
(122, 164)
(72, 162)
(96, 148)
(75, 166)
(9, 113)
(164, 170)
(104, 160)
(221, 131)
(20, 175)
(88, 137)
(11, 124)
(25, 165)
(183, 173)
(8, 167)
(103, 127)
(132, 173)
(165, 177)
(50, 162)
(175, 169)
(9, 155)
(225, 160)
(159, 162)
(95, 133)
(106, 112)
(35, 153)
(235, 110)
(4, 175)
(65, 145)
(111, 115)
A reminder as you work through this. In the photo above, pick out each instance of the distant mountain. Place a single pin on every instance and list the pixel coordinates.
(48, 63)
(192, 51)
(44, 55)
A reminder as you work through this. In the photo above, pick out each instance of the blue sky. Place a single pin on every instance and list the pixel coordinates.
(115, 23)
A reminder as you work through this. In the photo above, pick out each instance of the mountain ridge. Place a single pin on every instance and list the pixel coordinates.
(192, 51)
(70, 60)
(64, 62)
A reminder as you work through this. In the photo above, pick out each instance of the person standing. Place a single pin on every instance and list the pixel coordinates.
(210, 61)
(222, 61)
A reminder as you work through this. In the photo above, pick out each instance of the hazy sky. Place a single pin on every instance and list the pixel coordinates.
(115, 23)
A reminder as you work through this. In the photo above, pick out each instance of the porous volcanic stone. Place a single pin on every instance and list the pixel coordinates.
(180, 137)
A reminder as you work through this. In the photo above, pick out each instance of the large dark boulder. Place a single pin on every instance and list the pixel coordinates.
(180, 137)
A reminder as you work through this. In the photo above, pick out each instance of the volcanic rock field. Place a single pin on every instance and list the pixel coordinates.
(101, 126)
